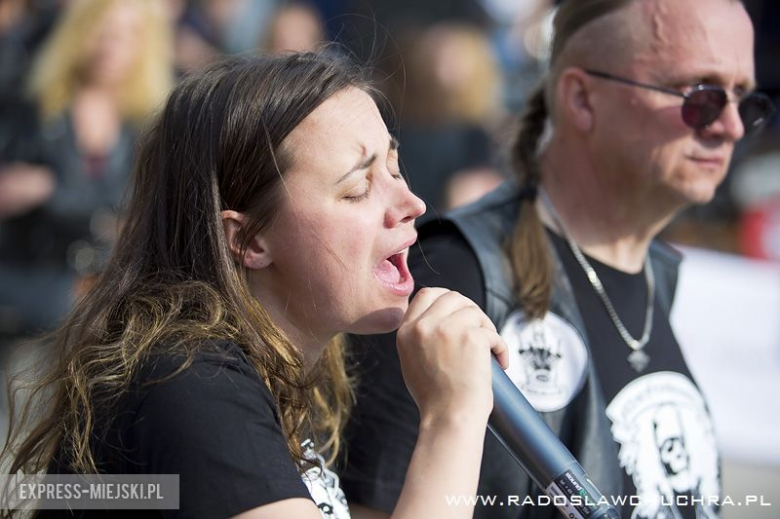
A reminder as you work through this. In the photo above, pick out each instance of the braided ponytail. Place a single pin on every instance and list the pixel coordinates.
(528, 252)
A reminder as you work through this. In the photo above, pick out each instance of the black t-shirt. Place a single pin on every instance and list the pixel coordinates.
(648, 410)
(215, 424)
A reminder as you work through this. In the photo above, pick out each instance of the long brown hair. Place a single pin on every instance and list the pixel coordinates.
(172, 284)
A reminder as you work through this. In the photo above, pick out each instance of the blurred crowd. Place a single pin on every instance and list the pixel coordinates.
(80, 78)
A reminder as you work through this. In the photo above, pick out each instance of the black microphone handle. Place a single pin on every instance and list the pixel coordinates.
(541, 453)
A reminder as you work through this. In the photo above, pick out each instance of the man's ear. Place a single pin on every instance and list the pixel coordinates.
(256, 256)
(574, 96)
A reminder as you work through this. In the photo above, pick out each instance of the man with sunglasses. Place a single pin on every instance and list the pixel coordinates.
(636, 120)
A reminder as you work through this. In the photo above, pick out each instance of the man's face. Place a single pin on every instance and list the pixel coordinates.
(643, 139)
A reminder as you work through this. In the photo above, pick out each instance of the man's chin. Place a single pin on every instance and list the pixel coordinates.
(702, 195)
(699, 192)
(702, 185)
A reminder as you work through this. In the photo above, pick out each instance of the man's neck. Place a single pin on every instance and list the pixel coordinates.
(611, 223)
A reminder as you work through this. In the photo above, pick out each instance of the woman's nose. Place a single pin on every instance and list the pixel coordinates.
(405, 208)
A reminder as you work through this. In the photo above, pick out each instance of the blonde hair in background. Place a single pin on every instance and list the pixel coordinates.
(55, 79)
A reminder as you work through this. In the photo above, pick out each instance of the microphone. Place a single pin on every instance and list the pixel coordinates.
(542, 455)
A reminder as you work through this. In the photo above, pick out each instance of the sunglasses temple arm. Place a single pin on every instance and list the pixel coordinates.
(625, 81)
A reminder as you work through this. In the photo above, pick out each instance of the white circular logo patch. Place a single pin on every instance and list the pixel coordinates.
(667, 445)
(548, 359)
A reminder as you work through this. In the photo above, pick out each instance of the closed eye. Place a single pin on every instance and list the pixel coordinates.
(358, 198)
(360, 195)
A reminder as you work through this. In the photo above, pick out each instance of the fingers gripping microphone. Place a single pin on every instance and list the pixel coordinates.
(535, 447)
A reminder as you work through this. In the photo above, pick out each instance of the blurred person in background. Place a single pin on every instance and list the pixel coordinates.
(296, 27)
(209, 29)
(24, 24)
(105, 68)
(520, 34)
(636, 120)
(15, 44)
(370, 26)
(447, 102)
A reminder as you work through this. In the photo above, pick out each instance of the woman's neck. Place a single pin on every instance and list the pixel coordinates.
(96, 120)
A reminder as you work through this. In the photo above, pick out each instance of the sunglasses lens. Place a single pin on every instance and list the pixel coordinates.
(703, 107)
(755, 110)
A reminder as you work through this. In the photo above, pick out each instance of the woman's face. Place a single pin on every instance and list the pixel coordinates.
(338, 248)
(113, 49)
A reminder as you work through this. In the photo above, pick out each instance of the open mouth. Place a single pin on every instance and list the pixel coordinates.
(393, 273)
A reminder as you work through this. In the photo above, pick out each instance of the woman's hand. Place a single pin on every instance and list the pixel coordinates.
(445, 343)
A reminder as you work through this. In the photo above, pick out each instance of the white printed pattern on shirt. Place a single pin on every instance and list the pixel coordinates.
(667, 445)
(324, 487)
(548, 359)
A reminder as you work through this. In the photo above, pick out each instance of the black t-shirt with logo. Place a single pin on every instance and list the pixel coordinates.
(660, 423)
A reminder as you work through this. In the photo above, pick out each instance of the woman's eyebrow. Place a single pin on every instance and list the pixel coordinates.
(360, 166)
(365, 164)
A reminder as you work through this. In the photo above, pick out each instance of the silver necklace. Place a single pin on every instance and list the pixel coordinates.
(638, 358)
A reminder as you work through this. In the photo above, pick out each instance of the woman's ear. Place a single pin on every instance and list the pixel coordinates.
(256, 256)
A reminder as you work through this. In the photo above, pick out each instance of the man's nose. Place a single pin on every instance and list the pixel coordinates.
(729, 123)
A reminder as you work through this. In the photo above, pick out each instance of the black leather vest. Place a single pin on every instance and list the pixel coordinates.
(582, 424)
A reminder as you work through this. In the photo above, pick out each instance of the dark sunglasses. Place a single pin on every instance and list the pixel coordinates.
(704, 104)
